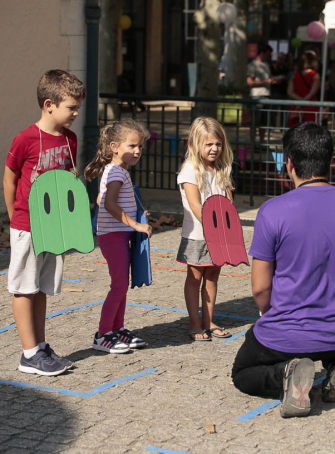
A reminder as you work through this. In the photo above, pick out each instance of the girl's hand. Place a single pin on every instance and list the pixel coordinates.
(144, 228)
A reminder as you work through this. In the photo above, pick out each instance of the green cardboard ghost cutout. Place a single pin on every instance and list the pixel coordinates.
(60, 214)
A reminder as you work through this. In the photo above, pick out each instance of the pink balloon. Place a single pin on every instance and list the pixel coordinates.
(316, 30)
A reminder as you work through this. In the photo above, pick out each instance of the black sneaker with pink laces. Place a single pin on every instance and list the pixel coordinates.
(130, 338)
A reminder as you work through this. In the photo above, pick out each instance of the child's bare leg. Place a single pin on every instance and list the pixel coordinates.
(40, 307)
(208, 296)
(191, 291)
(23, 311)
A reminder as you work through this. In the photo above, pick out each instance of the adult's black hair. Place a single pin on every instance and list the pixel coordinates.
(264, 48)
(310, 148)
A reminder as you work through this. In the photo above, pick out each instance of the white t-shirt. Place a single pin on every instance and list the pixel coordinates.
(106, 222)
(192, 228)
(259, 70)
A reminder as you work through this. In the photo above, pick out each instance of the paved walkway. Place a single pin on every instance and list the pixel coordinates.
(166, 398)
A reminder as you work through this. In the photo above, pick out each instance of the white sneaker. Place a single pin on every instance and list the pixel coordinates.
(109, 343)
(130, 338)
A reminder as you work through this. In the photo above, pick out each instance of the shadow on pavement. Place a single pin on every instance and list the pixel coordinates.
(175, 333)
(34, 421)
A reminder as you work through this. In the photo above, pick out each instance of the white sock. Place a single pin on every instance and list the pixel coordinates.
(42, 345)
(31, 352)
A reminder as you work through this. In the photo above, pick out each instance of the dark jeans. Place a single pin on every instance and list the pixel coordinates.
(259, 371)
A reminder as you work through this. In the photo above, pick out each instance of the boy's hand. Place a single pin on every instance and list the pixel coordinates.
(144, 228)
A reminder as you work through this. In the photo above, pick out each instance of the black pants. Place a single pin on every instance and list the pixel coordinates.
(259, 371)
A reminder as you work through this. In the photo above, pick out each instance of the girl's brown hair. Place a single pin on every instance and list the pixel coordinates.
(112, 133)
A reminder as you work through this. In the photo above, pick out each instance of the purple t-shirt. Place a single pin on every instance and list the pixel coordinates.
(297, 231)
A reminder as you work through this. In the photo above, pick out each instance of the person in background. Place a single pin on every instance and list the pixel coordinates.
(259, 80)
(304, 86)
(279, 90)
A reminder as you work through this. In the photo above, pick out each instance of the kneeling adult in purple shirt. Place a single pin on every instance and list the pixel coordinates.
(293, 282)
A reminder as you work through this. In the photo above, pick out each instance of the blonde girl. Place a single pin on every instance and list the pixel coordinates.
(120, 147)
(205, 172)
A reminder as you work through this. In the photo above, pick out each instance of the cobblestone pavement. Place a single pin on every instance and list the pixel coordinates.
(168, 408)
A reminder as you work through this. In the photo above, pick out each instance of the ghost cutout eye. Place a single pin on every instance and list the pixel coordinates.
(70, 200)
(227, 219)
(47, 203)
(215, 220)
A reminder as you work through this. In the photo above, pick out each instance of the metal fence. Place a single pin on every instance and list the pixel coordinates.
(258, 167)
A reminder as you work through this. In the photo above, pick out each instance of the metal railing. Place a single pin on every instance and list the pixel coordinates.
(258, 168)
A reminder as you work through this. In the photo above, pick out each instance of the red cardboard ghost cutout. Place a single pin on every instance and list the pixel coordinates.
(223, 232)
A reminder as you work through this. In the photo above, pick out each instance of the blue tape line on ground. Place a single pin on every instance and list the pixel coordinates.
(65, 280)
(5, 252)
(257, 411)
(75, 308)
(94, 392)
(319, 380)
(71, 309)
(274, 403)
(233, 337)
(185, 311)
(165, 451)
(55, 314)
(162, 249)
(157, 307)
(119, 381)
(71, 280)
(7, 328)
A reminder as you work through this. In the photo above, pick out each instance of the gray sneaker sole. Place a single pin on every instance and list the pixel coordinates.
(33, 370)
(296, 400)
(110, 350)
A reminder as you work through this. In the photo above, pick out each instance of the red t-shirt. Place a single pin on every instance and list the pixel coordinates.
(24, 154)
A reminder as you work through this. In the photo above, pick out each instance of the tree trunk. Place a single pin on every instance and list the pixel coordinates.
(236, 47)
(209, 50)
(110, 13)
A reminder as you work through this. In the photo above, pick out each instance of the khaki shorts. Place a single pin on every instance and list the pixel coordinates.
(28, 274)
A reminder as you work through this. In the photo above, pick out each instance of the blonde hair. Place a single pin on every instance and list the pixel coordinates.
(200, 128)
(112, 133)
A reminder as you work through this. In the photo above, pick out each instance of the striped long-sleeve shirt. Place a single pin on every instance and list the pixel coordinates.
(106, 222)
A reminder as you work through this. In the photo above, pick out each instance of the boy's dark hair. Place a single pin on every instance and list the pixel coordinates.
(264, 48)
(310, 148)
(56, 84)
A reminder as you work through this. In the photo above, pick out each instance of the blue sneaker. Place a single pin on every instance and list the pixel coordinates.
(51, 353)
(41, 364)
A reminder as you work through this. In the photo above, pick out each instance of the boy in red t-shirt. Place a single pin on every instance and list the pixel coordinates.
(44, 145)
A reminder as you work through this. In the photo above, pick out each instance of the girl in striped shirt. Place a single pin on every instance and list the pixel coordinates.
(120, 146)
